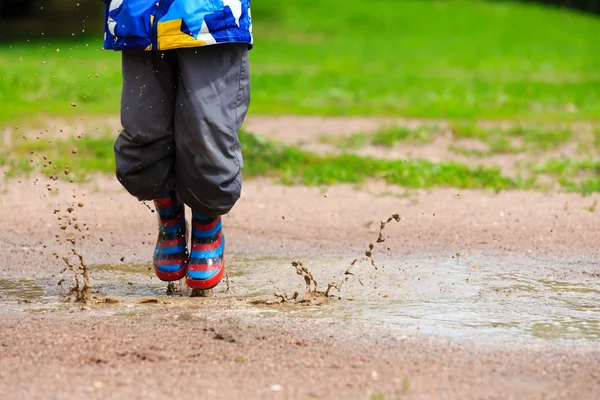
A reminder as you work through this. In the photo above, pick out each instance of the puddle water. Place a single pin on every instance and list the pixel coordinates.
(450, 298)
(126, 280)
(22, 289)
(497, 299)
(125, 268)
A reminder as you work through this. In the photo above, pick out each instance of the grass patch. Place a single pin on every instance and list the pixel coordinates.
(292, 165)
(596, 134)
(449, 59)
(354, 141)
(82, 158)
(263, 158)
(516, 139)
(390, 137)
(386, 137)
(581, 176)
(592, 208)
(467, 152)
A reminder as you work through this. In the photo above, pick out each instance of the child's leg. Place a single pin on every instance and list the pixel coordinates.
(145, 151)
(212, 101)
(145, 148)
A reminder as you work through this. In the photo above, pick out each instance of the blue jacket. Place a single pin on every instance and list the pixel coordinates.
(173, 24)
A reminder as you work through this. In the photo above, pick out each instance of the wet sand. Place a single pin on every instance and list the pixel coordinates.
(507, 245)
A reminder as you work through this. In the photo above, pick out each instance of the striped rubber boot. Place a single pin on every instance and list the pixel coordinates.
(170, 255)
(207, 256)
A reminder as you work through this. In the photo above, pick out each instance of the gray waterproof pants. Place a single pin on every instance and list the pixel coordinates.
(181, 111)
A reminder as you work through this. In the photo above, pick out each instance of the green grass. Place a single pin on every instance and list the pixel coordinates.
(592, 208)
(386, 137)
(390, 137)
(515, 139)
(36, 80)
(354, 141)
(425, 58)
(80, 158)
(419, 58)
(265, 158)
(290, 165)
(574, 175)
(296, 166)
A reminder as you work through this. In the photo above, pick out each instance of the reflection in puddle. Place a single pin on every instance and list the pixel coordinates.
(125, 268)
(24, 289)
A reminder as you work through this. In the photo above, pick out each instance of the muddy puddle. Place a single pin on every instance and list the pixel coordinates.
(458, 297)
(20, 289)
(26, 294)
(462, 297)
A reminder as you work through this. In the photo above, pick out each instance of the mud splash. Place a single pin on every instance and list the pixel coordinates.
(70, 227)
(312, 296)
(80, 271)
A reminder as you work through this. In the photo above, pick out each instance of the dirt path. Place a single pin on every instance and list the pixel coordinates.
(215, 352)
(227, 348)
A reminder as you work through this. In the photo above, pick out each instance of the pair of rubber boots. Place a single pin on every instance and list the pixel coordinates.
(204, 265)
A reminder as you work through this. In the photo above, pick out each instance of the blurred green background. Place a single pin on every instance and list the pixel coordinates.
(433, 59)
(515, 85)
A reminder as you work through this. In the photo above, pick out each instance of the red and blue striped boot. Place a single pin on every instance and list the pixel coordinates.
(207, 256)
(170, 255)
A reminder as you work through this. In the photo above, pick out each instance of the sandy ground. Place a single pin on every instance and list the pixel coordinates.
(225, 348)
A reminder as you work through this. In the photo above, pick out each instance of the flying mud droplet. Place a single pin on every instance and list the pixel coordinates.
(380, 238)
(149, 208)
